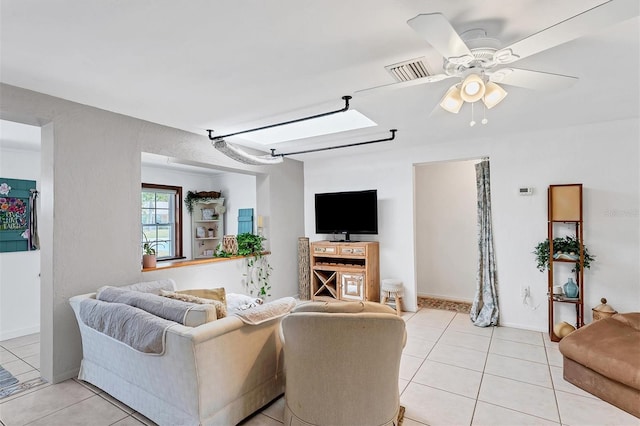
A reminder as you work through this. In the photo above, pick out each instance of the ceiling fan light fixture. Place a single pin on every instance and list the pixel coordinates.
(493, 95)
(452, 101)
(472, 88)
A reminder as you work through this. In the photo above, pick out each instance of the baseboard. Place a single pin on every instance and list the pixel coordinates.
(521, 326)
(12, 334)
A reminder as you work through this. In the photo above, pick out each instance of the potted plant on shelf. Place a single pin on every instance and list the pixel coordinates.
(149, 253)
(565, 248)
(258, 268)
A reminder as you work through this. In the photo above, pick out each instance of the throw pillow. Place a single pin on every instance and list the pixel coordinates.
(221, 308)
(207, 293)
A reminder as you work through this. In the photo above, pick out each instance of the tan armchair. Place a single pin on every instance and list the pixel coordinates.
(342, 361)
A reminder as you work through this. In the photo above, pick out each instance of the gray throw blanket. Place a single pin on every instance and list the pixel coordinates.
(171, 309)
(141, 330)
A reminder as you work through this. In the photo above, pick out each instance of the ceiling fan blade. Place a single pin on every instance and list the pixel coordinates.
(422, 80)
(528, 79)
(591, 20)
(437, 31)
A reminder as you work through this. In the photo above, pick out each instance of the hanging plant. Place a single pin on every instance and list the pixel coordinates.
(566, 248)
(193, 196)
(258, 268)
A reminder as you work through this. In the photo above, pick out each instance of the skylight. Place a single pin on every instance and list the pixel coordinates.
(349, 120)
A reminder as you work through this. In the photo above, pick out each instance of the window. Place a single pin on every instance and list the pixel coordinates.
(162, 219)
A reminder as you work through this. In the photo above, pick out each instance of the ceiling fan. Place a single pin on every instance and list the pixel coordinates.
(482, 65)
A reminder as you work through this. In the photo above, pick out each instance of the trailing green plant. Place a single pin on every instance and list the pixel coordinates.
(193, 196)
(258, 268)
(564, 245)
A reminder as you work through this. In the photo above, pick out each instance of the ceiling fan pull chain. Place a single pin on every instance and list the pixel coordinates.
(472, 122)
(484, 114)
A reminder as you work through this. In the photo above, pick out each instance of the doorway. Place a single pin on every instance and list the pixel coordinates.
(446, 230)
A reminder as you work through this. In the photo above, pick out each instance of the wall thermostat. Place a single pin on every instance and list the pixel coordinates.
(525, 191)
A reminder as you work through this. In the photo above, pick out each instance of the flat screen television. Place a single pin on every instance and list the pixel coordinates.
(352, 212)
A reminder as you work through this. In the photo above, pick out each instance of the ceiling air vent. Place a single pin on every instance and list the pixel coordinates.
(408, 70)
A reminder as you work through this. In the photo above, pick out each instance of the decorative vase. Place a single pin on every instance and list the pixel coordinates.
(230, 244)
(562, 329)
(570, 289)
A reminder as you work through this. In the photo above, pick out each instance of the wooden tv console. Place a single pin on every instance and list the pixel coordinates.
(345, 270)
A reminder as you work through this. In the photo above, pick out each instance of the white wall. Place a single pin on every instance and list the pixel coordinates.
(91, 178)
(19, 271)
(602, 156)
(446, 229)
(239, 191)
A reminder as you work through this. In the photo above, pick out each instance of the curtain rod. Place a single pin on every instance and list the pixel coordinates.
(324, 114)
(392, 137)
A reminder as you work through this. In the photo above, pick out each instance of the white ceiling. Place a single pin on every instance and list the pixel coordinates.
(231, 65)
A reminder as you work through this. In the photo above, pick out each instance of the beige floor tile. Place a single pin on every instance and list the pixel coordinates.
(17, 367)
(561, 384)
(408, 366)
(33, 360)
(436, 407)
(424, 332)
(449, 378)
(27, 350)
(45, 401)
(465, 340)
(407, 315)
(94, 411)
(493, 415)
(275, 410)
(460, 357)
(578, 410)
(260, 420)
(402, 385)
(20, 341)
(518, 369)
(117, 403)
(547, 341)
(554, 356)
(143, 419)
(418, 347)
(6, 356)
(411, 422)
(433, 318)
(518, 335)
(128, 421)
(463, 324)
(518, 350)
(89, 386)
(524, 397)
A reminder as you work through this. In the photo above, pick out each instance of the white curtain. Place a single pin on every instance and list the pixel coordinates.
(484, 311)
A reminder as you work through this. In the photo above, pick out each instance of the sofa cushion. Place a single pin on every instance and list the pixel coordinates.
(221, 307)
(609, 346)
(189, 314)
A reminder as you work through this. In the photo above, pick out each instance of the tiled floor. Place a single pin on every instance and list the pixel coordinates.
(452, 373)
